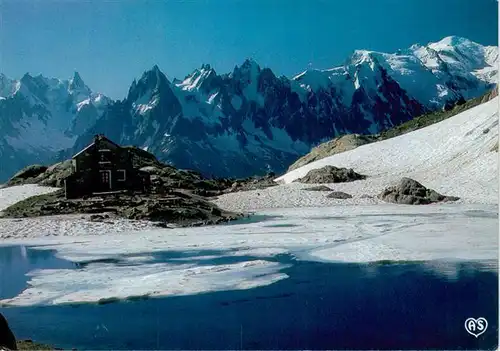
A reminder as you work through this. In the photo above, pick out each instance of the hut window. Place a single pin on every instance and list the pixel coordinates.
(121, 175)
(104, 156)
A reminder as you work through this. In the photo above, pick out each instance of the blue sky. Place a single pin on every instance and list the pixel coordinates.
(112, 42)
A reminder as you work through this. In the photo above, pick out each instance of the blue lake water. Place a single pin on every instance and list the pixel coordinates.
(320, 306)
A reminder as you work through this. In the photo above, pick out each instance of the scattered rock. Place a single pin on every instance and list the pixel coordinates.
(366, 196)
(331, 174)
(7, 338)
(339, 195)
(98, 217)
(494, 148)
(411, 192)
(319, 188)
(253, 183)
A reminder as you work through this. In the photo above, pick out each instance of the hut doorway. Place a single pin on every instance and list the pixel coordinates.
(105, 179)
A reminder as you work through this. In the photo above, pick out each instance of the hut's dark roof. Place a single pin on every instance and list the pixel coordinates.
(100, 137)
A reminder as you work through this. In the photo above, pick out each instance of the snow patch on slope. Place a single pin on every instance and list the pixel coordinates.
(453, 157)
(13, 194)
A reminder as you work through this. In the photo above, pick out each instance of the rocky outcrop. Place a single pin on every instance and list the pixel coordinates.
(252, 183)
(177, 208)
(339, 195)
(45, 176)
(7, 338)
(178, 197)
(332, 147)
(27, 173)
(331, 174)
(411, 192)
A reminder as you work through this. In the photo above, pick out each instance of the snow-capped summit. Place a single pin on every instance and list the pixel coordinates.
(457, 50)
(362, 56)
(199, 79)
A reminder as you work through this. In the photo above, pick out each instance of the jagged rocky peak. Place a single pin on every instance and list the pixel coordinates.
(153, 76)
(77, 88)
(7, 86)
(248, 69)
(33, 86)
(200, 79)
(33, 81)
(76, 82)
(151, 80)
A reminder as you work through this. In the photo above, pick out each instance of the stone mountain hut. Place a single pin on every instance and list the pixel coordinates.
(104, 167)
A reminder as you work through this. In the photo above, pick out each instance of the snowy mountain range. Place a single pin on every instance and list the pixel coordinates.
(250, 121)
(39, 116)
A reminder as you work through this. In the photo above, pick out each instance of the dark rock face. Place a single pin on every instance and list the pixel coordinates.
(339, 195)
(411, 192)
(331, 174)
(319, 188)
(7, 338)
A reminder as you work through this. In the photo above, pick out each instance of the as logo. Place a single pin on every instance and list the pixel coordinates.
(476, 327)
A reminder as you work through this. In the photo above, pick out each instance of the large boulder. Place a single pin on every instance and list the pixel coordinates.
(330, 174)
(319, 188)
(411, 192)
(339, 195)
(7, 338)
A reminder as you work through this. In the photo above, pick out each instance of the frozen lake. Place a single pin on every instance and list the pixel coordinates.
(318, 306)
